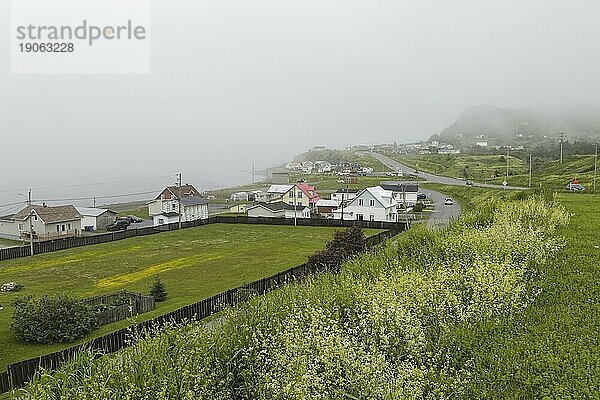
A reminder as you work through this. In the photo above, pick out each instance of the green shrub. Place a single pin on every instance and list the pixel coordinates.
(158, 290)
(419, 207)
(52, 319)
(344, 245)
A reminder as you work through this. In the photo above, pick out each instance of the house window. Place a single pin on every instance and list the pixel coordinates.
(291, 195)
(371, 203)
(299, 203)
(57, 228)
(371, 218)
(63, 228)
(35, 217)
(69, 226)
(21, 227)
(359, 217)
(299, 195)
(361, 202)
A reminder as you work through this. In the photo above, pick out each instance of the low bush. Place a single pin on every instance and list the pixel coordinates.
(52, 319)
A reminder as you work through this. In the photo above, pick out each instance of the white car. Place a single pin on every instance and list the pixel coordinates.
(448, 201)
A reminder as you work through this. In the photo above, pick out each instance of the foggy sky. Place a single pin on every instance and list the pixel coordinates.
(242, 81)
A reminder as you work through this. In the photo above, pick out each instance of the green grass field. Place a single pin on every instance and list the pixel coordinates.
(194, 263)
(9, 243)
(552, 350)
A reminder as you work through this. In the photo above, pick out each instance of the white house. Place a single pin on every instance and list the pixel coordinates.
(164, 201)
(278, 210)
(48, 223)
(192, 209)
(96, 218)
(402, 192)
(370, 204)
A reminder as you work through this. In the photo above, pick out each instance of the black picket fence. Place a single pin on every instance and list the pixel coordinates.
(69, 243)
(20, 373)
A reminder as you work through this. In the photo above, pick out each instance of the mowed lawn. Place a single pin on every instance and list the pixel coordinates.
(193, 263)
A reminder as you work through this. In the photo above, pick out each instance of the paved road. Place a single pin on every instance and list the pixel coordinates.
(442, 214)
(445, 180)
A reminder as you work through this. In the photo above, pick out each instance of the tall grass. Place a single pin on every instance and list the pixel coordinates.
(380, 329)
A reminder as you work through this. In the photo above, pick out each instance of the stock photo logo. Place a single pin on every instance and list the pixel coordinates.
(80, 36)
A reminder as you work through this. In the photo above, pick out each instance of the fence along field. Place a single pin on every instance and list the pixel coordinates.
(69, 243)
(19, 374)
(395, 323)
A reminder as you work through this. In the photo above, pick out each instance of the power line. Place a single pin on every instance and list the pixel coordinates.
(96, 197)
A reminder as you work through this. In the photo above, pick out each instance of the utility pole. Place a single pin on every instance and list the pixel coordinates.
(507, 163)
(595, 166)
(94, 201)
(561, 136)
(31, 214)
(295, 206)
(253, 173)
(179, 196)
(530, 169)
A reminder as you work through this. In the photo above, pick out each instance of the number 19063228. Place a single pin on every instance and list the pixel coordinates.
(46, 47)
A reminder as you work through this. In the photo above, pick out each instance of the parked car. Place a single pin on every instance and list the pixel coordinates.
(575, 187)
(469, 183)
(118, 225)
(134, 219)
(448, 201)
(421, 196)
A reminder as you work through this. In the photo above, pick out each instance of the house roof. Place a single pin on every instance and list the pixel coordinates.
(50, 214)
(278, 206)
(309, 191)
(193, 201)
(328, 203)
(379, 194)
(279, 189)
(347, 190)
(92, 212)
(187, 190)
(400, 186)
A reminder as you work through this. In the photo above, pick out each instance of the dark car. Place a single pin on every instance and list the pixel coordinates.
(133, 219)
(421, 196)
(469, 183)
(118, 225)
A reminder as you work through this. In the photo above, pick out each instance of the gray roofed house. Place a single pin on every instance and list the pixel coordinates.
(48, 223)
(192, 208)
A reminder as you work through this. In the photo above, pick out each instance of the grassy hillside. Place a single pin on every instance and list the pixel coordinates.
(492, 169)
(194, 263)
(395, 324)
